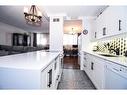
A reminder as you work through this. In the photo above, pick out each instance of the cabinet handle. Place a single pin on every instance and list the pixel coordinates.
(58, 77)
(116, 69)
(84, 58)
(120, 25)
(49, 78)
(55, 65)
(84, 65)
(95, 35)
(49, 85)
(104, 31)
(92, 64)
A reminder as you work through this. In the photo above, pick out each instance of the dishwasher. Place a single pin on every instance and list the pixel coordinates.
(115, 76)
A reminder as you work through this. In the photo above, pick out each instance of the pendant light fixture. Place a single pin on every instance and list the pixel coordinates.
(33, 15)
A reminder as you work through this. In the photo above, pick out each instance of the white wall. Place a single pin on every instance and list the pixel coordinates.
(70, 39)
(87, 23)
(6, 33)
(56, 34)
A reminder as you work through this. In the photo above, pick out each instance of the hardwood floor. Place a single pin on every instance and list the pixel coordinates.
(73, 77)
(71, 62)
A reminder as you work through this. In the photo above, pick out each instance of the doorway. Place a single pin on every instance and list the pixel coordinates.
(72, 29)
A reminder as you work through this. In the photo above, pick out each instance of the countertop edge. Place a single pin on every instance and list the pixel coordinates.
(56, 54)
(105, 58)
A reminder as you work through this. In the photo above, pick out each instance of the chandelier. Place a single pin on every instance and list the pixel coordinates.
(33, 15)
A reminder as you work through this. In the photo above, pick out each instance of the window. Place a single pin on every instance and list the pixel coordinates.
(70, 39)
(42, 39)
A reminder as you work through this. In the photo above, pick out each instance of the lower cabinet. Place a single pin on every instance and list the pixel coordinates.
(47, 77)
(97, 70)
(50, 77)
(85, 62)
(115, 76)
(103, 73)
(94, 68)
(57, 71)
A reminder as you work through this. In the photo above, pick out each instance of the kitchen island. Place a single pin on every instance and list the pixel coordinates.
(33, 70)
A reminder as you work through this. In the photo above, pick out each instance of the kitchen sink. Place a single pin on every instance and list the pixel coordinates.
(109, 55)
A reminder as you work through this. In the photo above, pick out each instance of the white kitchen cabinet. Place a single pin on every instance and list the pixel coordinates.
(94, 68)
(47, 76)
(103, 21)
(115, 76)
(115, 20)
(52, 74)
(106, 73)
(97, 68)
(93, 30)
(94, 34)
(57, 71)
(99, 26)
(112, 21)
(85, 62)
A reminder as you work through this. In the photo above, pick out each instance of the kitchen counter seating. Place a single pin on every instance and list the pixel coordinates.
(33, 70)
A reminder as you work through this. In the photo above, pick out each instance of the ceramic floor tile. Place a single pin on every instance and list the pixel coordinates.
(72, 77)
(75, 79)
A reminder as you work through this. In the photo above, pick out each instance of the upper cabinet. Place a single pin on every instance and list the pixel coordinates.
(111, 22)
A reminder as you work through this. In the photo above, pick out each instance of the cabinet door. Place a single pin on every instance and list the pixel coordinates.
(121, 19)
(57, 71)
(112, 21)
(50, 78)
(118, 17)
(47, 78)
(96, 72)
(115, 20)
(88, 66)
(99, 27)
(93, 30)
(115, 76)
(85, 62)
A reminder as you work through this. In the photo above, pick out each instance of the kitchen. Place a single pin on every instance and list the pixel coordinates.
(102, 48)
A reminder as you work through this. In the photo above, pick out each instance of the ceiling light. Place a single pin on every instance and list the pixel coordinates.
(33, 15)
(72, 32)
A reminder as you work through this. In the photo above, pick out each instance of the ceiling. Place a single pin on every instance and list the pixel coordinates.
(75, 11)
(13, 15)
(72, 26)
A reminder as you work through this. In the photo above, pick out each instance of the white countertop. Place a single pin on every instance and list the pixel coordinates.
(121, 60)
(37, 60)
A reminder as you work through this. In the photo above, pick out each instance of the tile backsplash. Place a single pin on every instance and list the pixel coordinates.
(113, 44)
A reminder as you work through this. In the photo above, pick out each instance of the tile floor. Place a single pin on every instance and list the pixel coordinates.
(74, 79)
